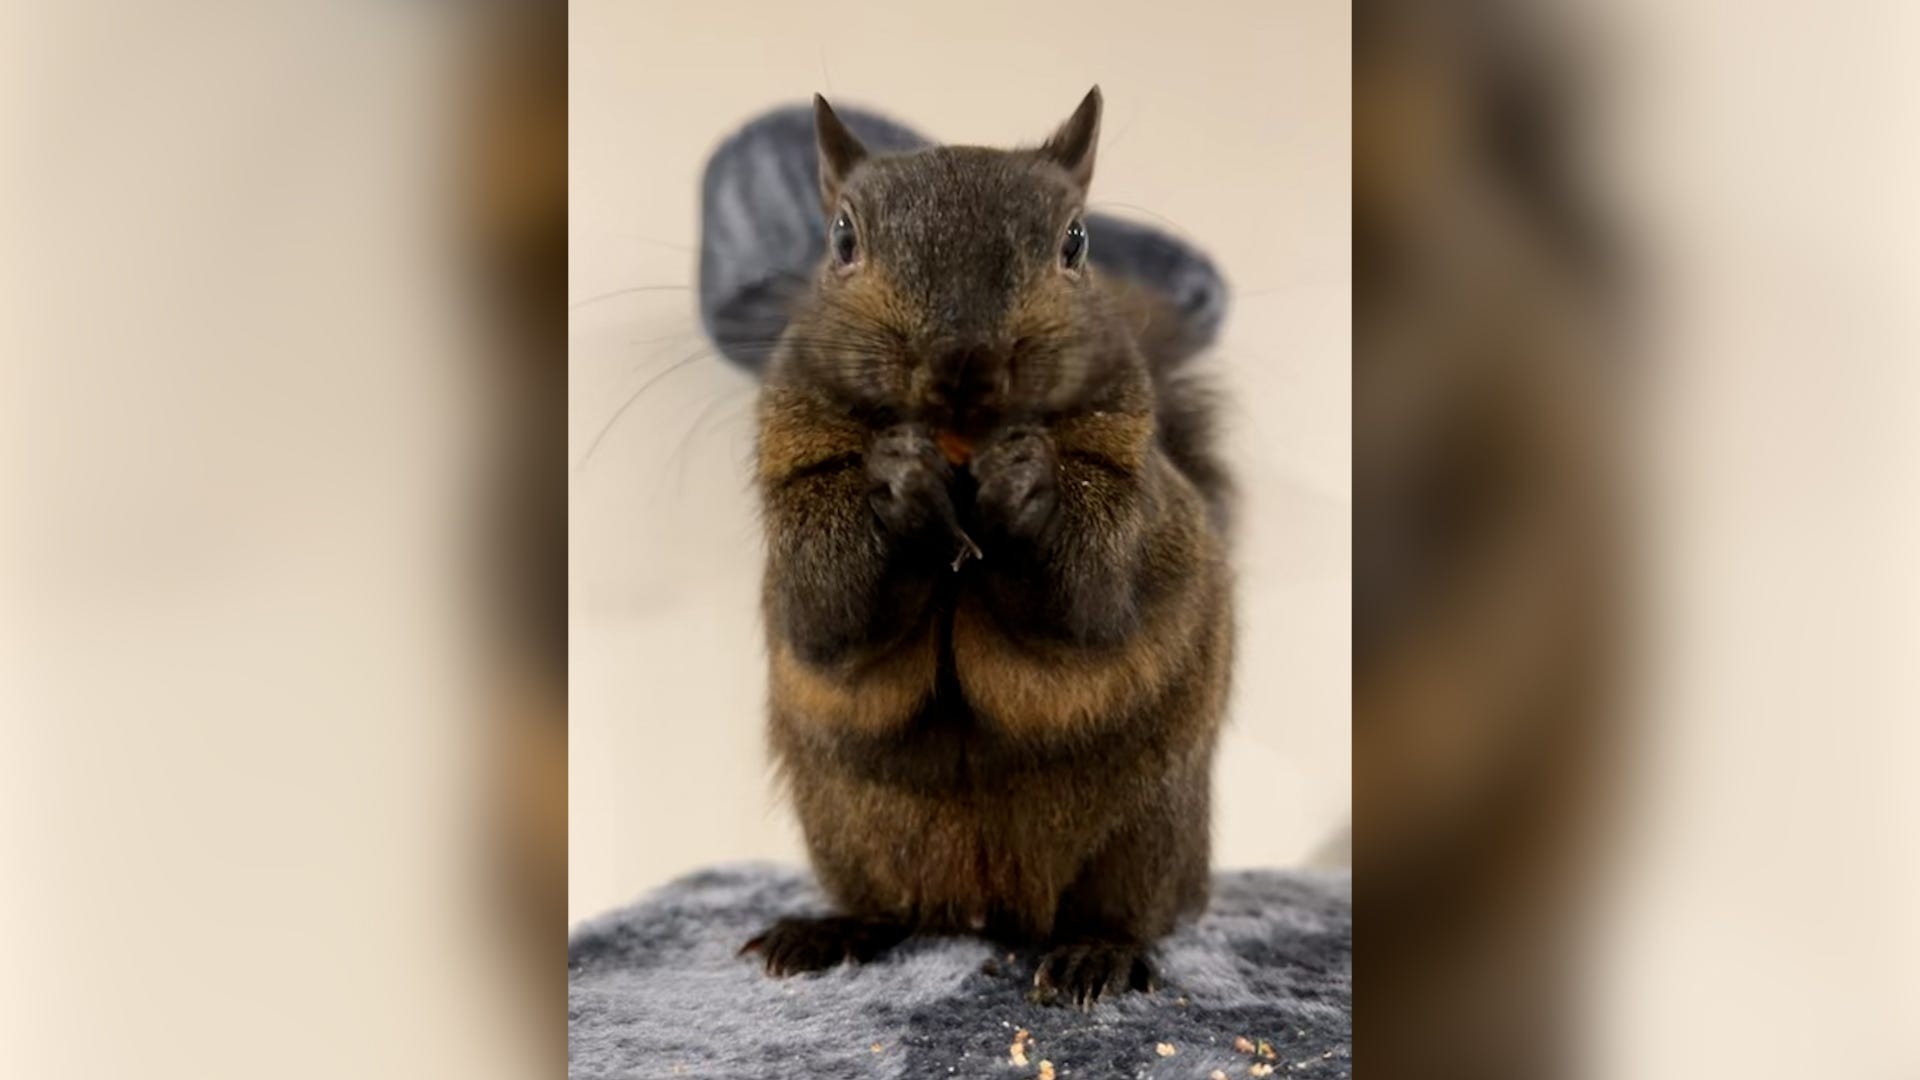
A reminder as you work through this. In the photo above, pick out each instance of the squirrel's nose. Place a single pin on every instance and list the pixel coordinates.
(965, 373)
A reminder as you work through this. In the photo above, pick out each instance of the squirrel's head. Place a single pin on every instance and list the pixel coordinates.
(955, 287)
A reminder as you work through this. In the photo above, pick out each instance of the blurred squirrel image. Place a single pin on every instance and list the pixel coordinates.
(996, 595)
(1489, 380)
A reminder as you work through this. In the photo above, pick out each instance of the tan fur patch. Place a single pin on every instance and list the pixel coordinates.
(1120, 438)
(1030, 689)
(794, 436)
(877, 697)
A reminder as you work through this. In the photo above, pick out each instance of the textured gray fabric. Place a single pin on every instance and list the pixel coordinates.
(656, 990)
(762, 233)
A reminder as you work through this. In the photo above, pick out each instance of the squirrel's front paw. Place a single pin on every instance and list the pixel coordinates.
(908, 481)
(1019, 491)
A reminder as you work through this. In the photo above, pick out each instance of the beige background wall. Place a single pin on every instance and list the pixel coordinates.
(1226, 122)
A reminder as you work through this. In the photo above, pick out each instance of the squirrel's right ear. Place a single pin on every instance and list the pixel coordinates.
(839, 152)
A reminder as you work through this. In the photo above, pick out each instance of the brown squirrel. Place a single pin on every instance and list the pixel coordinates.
(997, 600)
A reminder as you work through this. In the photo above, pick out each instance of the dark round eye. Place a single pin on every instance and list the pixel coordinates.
(1073, 249)
(841, 239)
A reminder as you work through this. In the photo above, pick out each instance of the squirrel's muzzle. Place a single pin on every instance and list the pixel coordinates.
(968, 381)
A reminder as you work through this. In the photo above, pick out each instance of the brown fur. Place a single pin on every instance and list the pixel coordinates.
(1016, 742)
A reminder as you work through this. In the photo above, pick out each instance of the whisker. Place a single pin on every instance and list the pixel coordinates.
(645, 239)
(1154, 214)
(664, 338)
(578, 304)
(839, 342)
(677, 461)
(594, 446)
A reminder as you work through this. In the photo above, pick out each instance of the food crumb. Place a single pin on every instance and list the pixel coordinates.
(1242, 1044)
(1046, 1071)
(1266, 1049)
(1259, 1068)
(876, 1048)
(954, 447)
(1017, 1053)
(1216, 1075)
(1165, 1049)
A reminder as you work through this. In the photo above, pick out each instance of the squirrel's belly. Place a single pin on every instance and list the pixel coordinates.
(961, 869)
(994, 858)
(947, 825)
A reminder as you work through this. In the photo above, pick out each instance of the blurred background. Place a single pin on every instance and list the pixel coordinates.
(282, 725)
(1634, 478)
(1226, 125)
(282, 312)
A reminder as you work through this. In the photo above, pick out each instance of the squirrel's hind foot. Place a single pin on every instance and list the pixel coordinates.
(1082, 973)
(795, 945)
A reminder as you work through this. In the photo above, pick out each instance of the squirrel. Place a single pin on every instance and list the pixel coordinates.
(997, 597)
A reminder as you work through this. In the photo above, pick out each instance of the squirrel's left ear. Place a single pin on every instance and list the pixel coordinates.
(1073, 145)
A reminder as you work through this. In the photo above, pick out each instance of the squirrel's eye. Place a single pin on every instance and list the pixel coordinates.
(841, 239)
(1073, 249)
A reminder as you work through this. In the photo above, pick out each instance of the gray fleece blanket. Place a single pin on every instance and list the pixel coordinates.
(656, 990)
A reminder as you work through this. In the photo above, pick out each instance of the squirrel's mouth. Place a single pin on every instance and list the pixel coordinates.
(960, 426)
(955, 447)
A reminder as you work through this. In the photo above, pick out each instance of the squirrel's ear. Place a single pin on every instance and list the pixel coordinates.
(1073, 145)
(839, 152)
